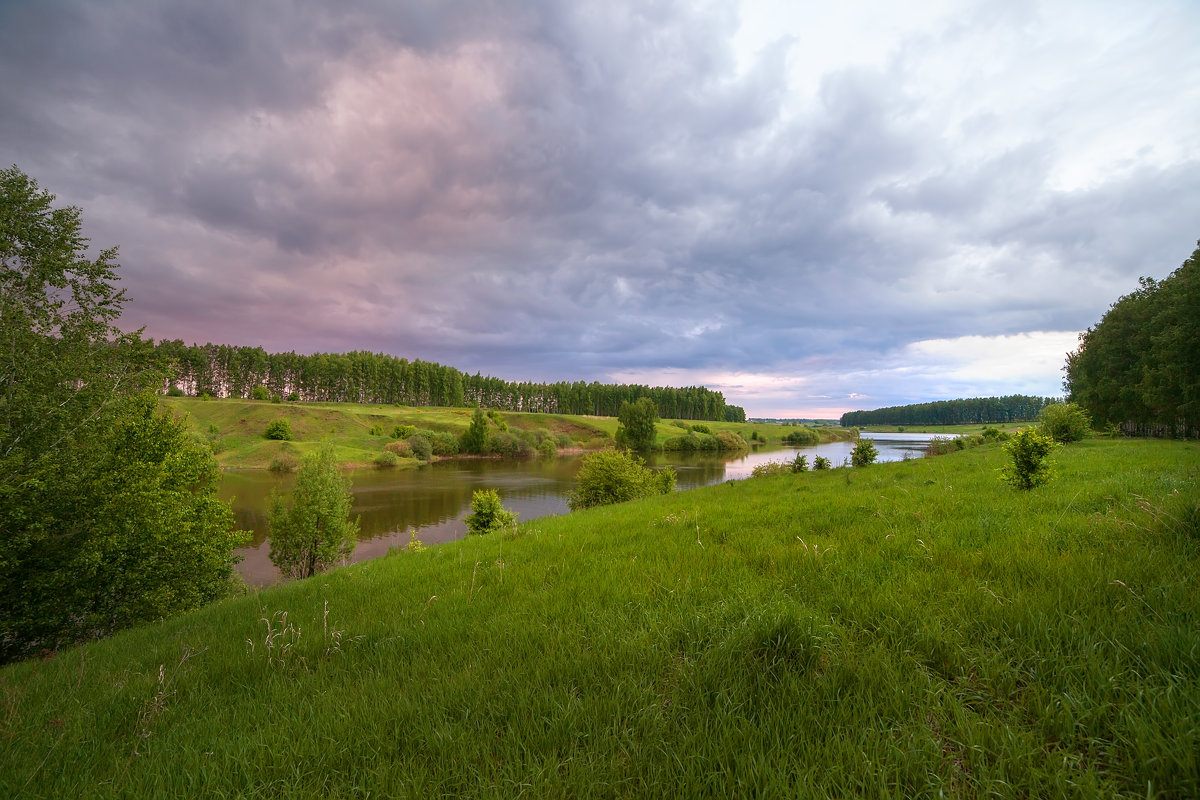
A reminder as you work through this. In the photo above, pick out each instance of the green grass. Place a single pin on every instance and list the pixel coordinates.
(236, 428)
(902, 629)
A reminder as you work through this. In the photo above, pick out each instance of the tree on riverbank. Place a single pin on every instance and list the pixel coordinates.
(108, 509)
(315, 532)
(636, 424)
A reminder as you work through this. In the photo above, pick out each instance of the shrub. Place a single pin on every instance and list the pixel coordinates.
(802, 436)
(260, 392)
(400, 449)
(284, 462)
(488, 515)
(864, 453)
(403, 431)
(1064, 422)
(442, 442)
(563, 440)
(680, 424)
(279, 429)
(939, 446)
(420, 446)
(1029, 450)
(728, 440)
(770, 468)
(315, 531)
(174, 391)
(386, 458)
(375, 430)
(821, 462)
(800, 463)
(699, 428)
(688, 443)
(614, 476)
(506, 445)
(990, 434)
(548, 449)
(293, 397)
(276, 398)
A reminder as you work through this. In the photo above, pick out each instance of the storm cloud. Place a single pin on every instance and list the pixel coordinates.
(810, 209)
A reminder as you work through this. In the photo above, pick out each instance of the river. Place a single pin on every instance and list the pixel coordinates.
(435, 499)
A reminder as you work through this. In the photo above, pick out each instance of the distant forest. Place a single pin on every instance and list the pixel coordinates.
(362, 377)
(1139, 367)
(973, 411)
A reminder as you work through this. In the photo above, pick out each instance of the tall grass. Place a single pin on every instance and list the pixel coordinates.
(920, 630)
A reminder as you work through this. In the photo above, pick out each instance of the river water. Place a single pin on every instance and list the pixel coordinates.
(435, 499)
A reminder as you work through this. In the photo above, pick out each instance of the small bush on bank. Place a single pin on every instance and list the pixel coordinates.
(386, 459)
(800, 463)
(260, 392)
(420, 446)
(400, 449)
(864, 453)
(279, 429)
(614, 476)
(821, 462)
(488, 514)
(403, 431)
(802, 436)
(771, 468)
(284, 462)
(548, 449)
(507, 445)
(1029, 451)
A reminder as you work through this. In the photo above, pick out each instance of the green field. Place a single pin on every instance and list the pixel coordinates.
(905, 629)
(236, 427)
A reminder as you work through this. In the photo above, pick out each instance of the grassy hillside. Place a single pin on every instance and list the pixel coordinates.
(898, 630)
(236, 427)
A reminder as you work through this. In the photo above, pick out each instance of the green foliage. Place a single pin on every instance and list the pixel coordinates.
(735, 414)
(108, 509)
(864, 453)
(1029, 451)
(376, 430)
(992, 434)
(974, 410)
(443, 443)
(615, 476)
(548, 449)
(508, 445)
(403, 431)
(1064, 422)
(771, 468)
(279, 429)
(315, 531)
(488, 515)
(284, 462)
(386, 458)
(293, 397)
(821, 463)
(801, 437)
(174, 391)
(1140, 365)
(399, 449)
(475, 438)
(800, 463)
(699, 428)
(421, 447)
(260, 392)
(636, 430)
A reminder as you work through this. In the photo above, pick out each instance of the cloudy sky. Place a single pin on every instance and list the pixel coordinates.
(810, 206)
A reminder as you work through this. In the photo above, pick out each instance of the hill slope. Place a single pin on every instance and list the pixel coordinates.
(899, 629)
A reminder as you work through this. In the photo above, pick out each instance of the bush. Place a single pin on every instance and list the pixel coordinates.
(800, 463)
(939, 446)
(403, 431)
(174, 391)
(260, 392)
(475, 438)
(279, 429)
(400, 449)
(315, 531)
(488, 515)
(421, 447)
(821, 462)
(614, 476)
(699, 428)
(276, 398)
(386, 459)
(864, 453)
(548, 449)
(771, 468)
(375, 430)
(506, 445)
(293, 397)
(563, 440)
(802, 436)
(443, 443)
(1029, 450)
(1064, 422)
(991, 434)
(284, 462)
(728, 440)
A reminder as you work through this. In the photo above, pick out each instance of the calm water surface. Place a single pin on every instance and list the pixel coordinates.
(435, 499)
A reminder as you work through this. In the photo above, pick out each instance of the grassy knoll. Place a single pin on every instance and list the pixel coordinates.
(904, 629)
(236, 427)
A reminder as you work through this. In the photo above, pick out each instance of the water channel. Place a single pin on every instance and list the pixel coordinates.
(434, 499)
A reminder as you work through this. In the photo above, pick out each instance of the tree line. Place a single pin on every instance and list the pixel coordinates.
(970, 411)
(365, 377)
(1139, 367)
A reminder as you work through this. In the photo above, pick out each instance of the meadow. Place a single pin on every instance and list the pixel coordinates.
(907, 629)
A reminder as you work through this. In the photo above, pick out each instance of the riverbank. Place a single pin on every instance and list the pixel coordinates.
(359, 432)
(902, 629)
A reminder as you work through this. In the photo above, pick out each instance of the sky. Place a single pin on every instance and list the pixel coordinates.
(812, 207)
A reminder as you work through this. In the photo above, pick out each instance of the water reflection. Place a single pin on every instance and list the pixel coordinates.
(435, 499)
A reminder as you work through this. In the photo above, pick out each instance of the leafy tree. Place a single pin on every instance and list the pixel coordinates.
(800, 463)
(279, 429)
(864, 453)
(614, 476)
(475, 438)
(821, 462)
(1064, 422)
(421, 447)
(260, 392)
(1029, 451)
(316, 531)
(108, 508)
(488, 514)
(636, 420)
